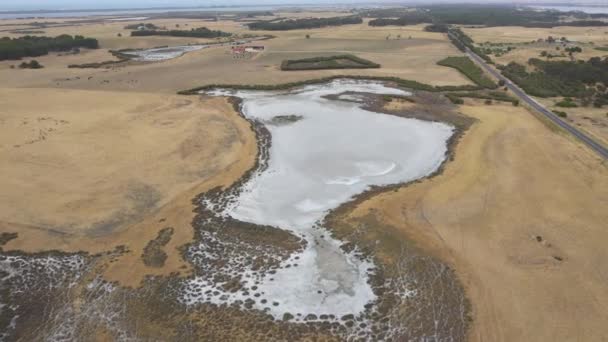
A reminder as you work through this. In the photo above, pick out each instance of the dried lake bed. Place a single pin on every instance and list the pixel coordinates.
(162, 53)
(262, 251)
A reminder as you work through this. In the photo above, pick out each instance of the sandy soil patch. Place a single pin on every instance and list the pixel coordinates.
(397, 104)
(519, 215)
(83, 169)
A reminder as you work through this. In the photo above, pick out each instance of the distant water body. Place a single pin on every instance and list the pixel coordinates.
(586, 9)
(121, 12)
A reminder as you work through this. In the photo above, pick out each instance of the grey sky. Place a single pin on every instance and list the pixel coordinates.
(98, 4)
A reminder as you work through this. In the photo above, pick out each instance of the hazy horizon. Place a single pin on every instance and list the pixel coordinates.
(27, 5)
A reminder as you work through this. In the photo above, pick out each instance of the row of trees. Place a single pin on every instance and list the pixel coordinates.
(487, 15)
(201, 32)
(443, 28)
(462, 41)
(332, 62)
(307, 23)
(469, 69)
(33, 46)
(409, 18)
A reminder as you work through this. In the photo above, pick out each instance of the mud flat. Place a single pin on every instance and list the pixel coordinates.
(268, 262)
(162, 53)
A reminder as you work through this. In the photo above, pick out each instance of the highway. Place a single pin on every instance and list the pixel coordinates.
(595, 146)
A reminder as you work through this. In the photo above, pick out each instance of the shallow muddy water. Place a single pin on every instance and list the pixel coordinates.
(332, 152)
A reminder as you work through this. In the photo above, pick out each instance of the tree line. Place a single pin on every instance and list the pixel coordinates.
(201, 32)
(34, 46)
(486, 15)
(469, 69)
(306, 23)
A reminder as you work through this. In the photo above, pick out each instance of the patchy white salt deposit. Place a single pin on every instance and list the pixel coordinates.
(163, 53)
(334, 152)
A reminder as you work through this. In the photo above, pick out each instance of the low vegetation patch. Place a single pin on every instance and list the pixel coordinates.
(457, 98)
(95, 65)
(566, 103)
(34, 46)
(33, 64)
(201, 32)
(282, 120)
(6, 237)
(332, 62)
(154, 255)
(469, 69)
(306, 23)
(560, 113)
(408, 84)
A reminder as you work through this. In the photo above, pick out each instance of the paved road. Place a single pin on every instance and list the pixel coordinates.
(597, 147)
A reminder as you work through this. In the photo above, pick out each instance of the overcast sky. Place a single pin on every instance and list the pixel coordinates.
(98, 4)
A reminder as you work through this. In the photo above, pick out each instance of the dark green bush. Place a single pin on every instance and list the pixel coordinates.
(566, 103)
(33, 64)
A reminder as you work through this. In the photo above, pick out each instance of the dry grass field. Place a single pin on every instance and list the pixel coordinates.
(520, 214)
(403, 57)
(92, 159)
(516, 34)
(594, 121)
(88, 170)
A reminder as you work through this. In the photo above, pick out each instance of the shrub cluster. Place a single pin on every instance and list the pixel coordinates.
(563, 78)
(456, 98)
(566, 103)
(33, 64)
(34, 46)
